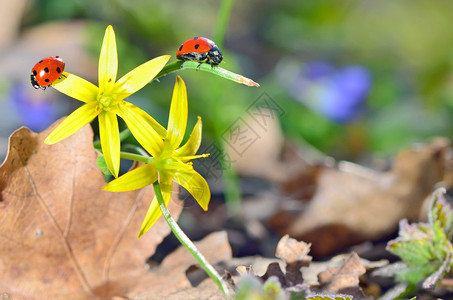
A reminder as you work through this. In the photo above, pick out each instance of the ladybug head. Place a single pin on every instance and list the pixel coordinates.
(215, 57)
(33, 81)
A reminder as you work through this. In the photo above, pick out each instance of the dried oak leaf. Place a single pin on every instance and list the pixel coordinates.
(353, 203)
(343, 279)
(293, 251)
(295, 254)
(61, 235)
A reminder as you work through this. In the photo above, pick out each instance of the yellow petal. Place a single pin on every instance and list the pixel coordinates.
(196, 185)
(193, 143)
(76, 87)
(108, 62)
(73, 123)
(110, 140)
(133, 180)
(154, 211)
(143, 127)
(177, 120)
(140, 76)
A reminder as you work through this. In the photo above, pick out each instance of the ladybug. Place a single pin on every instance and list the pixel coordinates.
(46, 71)
(200, 49)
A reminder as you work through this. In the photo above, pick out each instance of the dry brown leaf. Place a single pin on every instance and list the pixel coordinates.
(293, 251)
(352, 206)
(207, 290)
(310, 273)
(274, 270)
(61, 235)
(295, 254)
(343, 279)
(169, 281)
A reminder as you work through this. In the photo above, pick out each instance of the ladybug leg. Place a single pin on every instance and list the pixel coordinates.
(198, 67)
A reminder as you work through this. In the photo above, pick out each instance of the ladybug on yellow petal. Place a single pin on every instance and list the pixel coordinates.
(46, 71)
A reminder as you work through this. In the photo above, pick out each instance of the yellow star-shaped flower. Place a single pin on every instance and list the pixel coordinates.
(106, 102)
(170, 162)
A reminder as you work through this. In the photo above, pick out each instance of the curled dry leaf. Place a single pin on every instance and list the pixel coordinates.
(343, 279)
(274, 270)
(293, 251)
(61, 235)
(295, 254)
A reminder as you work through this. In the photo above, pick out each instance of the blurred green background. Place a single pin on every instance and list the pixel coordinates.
(301, 53)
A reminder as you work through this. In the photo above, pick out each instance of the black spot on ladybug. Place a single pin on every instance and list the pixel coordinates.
(197, 46)
(35, 73)
(57, 56)
(40, 61)
(180, 48)
(46, 70)
(47, 80)
(58, 70)
(195, 38)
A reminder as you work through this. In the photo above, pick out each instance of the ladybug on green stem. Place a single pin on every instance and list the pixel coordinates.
(200, 49)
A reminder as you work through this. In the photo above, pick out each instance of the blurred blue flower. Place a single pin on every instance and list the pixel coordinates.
(37, 114)
(337, 94)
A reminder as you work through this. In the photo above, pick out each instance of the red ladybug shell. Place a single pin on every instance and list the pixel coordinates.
(200, 49)
(46, 71)
(196, 44)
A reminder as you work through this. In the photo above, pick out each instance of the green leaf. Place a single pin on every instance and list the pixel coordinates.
(102, 165)
(432, 280)
(441, 212)
(250, 288)
(273, 288)
(425, 248)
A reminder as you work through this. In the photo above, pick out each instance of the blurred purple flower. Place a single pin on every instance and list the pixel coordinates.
(36, 114)
(337, 94)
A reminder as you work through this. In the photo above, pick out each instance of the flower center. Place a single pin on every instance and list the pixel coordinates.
(163, 162)
(106, 101)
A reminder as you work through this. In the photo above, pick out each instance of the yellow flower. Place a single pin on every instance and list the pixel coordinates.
(106, 102)
(170, 162)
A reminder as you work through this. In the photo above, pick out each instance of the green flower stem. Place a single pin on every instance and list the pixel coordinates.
(170, 68)
(123, 135)
(182, 237)
(136, 157)
(135, 149)
(181, 65)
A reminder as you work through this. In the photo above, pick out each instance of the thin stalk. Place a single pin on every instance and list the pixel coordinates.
(123, 135)
(175, 66)
(182, 237)
(135, 149)
(216, 70)
(136, 157)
